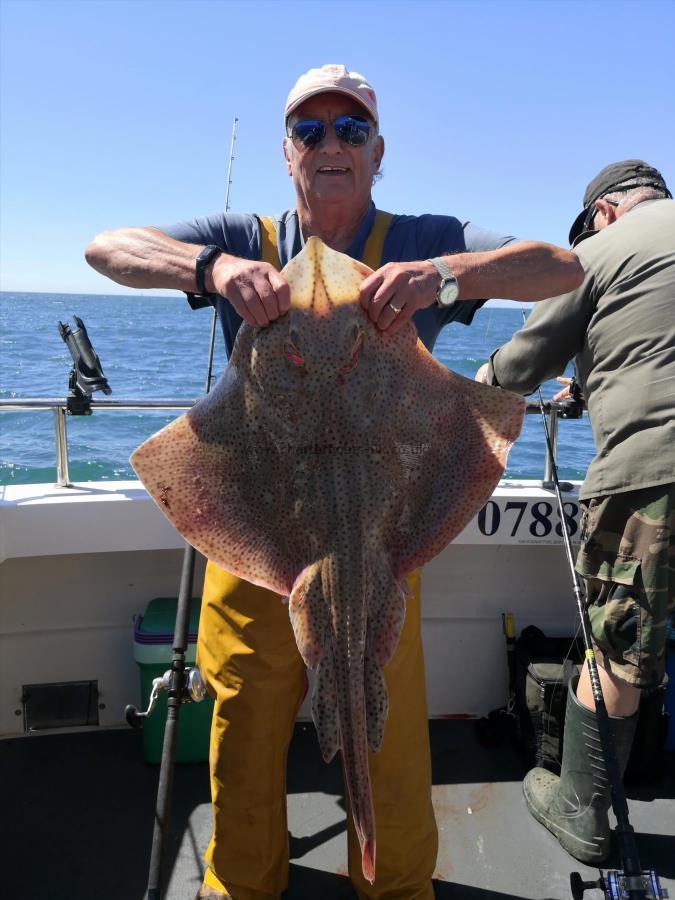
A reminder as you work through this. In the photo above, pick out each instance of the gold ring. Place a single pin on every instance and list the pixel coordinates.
(395, 309)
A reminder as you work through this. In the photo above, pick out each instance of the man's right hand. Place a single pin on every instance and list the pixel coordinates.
(145, 257)
(254, 288)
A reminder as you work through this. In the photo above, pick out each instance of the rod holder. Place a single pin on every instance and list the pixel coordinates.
(61, 445)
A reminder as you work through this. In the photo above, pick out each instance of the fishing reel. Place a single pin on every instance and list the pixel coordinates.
(193, 690)
(86, 375)
(572, 407)
(618, 886)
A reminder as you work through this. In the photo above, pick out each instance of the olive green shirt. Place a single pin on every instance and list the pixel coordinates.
(620, 328)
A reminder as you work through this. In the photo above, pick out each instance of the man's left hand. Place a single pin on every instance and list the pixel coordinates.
(394, 292)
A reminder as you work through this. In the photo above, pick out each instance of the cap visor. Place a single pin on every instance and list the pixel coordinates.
(577, 226)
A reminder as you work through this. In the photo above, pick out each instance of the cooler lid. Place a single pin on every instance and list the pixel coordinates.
(156, 625)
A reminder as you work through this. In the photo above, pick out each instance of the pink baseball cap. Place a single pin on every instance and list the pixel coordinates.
(333, 79)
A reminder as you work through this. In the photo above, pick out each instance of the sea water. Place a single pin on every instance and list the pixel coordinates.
(156, 347)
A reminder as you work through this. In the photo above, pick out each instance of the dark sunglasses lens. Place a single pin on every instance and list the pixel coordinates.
(352, 130)
(309, 132)
(588, 221)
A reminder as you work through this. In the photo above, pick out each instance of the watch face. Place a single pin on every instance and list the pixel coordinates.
(448, 292)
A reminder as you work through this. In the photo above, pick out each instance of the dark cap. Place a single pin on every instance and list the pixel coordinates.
(619, 173)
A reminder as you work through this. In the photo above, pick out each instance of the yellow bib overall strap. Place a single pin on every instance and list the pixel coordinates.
(372, 254)
(268, 242)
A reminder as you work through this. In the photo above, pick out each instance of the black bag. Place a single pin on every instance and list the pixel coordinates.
(648, 753)
(543, 668)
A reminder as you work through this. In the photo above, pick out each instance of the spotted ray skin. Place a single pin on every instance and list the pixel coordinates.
(329, 462)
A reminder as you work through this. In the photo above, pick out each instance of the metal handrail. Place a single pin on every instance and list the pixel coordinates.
(59, 405)
(61, 402)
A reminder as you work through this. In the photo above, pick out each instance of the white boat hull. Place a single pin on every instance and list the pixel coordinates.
(76, 565)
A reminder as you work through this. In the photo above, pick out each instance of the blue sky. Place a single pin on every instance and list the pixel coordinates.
(120, 113)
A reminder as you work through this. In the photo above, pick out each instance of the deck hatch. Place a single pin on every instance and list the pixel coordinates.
(60, 704)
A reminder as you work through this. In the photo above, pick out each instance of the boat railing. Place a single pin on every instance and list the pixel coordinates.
(60, 410)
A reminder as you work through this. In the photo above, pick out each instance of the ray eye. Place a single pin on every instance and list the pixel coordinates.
(295, 358)
(292, 354)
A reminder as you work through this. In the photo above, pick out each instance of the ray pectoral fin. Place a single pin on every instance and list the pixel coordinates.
(218, 494)
(468, 432)
(325, 707)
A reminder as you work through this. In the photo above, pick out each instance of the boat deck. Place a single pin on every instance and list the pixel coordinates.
(82, 811)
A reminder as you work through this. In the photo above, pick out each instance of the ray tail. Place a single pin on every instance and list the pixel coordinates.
(346, 586)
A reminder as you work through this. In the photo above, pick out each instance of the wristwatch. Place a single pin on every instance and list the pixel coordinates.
(207, 255)
(448, 289)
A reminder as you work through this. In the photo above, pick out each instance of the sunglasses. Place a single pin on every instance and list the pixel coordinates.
(351, 130)
(592, 212)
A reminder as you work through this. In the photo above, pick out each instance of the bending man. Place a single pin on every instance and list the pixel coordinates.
(620, 328)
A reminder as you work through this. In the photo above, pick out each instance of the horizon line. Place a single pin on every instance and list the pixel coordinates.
(493, 302)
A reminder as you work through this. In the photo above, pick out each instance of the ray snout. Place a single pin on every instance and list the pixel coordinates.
(322, 279)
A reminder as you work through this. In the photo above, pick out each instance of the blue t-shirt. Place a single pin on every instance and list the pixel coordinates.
(408, 238)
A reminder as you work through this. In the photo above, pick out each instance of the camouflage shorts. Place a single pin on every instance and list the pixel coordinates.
(627, 559)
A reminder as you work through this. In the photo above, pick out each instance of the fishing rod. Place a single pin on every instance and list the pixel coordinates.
(214, 319)
(182, 686)
(632, 882)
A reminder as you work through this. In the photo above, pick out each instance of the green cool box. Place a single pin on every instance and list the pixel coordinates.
(153, 649)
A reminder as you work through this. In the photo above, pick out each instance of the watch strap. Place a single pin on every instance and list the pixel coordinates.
(442, 268)
(448, 277)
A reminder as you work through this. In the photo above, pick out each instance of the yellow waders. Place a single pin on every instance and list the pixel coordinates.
(248, 657)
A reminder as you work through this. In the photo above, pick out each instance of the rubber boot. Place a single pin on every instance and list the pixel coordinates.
(574, 806)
